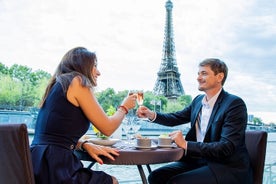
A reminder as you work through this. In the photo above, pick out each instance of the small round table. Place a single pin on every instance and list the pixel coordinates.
(139, 157)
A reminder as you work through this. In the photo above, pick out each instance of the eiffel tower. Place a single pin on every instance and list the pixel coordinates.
(168, 81)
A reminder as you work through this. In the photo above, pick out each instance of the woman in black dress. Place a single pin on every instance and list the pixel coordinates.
(68, 108)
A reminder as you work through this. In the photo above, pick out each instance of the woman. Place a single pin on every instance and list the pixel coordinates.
(67, 108)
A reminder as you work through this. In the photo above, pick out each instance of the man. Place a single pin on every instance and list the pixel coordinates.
(215, 151)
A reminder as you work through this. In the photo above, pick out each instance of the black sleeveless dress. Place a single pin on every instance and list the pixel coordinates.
(59, 126)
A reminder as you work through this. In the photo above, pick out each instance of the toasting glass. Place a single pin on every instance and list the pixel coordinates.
(140, 97)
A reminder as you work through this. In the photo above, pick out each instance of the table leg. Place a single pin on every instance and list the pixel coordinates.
(148, 167)
(142, 174)
(91, 165)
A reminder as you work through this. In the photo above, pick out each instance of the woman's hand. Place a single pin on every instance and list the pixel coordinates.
(97, 150)
(130, 101)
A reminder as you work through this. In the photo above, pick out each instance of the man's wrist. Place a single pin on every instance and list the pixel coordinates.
(185, 150)
(153, 117)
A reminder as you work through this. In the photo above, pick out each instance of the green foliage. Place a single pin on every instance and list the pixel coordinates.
(19, 72)
(10, 91)
(173, 106)
(39, 91)
(257, 121)
(3, 69)
(185, 100)
(106, 98)
(21, 88)
(109, 98)
(111, 110)
(178, 104)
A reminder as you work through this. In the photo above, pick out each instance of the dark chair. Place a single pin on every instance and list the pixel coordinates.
(15, 158)
(256, 145)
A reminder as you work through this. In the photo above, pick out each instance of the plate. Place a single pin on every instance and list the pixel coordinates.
(104, 142)
(146, 147)
(167, 146)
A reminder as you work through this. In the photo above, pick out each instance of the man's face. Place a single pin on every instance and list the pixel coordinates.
(207, 80)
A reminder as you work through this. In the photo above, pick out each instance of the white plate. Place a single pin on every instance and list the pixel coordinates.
(104, 142)
(167, 146)
(146, 147)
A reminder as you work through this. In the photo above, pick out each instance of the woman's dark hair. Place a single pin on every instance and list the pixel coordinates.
(76, 62)
(217, 66)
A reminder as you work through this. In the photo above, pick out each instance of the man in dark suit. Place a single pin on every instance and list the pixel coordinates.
(215, 151)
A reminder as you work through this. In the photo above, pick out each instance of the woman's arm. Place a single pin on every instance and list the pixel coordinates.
(84, 98)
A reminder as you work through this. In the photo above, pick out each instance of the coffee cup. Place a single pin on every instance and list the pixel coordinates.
(143, 142)
(164, 141)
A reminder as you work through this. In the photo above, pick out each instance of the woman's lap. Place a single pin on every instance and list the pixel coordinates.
(55, 165)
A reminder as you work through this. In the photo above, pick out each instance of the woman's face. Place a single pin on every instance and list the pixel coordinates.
(95, 73)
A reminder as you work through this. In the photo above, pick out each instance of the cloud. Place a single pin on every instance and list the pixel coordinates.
(252, 91)
(128, 39)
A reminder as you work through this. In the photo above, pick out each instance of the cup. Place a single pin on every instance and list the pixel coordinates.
(164, 141)
(143, 142)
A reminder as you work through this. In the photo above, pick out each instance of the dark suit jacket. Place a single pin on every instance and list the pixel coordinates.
(224, 143)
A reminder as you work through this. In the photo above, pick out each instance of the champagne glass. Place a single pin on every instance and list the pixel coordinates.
(136, 125)
(140, 97)
(126, 126)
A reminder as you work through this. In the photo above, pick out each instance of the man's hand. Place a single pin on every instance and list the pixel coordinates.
(144, 112)
(178, 138)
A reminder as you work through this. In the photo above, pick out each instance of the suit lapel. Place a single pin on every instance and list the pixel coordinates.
(197, 110)
(191, 135)
(215, 110)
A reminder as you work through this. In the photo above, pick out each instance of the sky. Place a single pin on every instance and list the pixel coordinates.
(128, 35)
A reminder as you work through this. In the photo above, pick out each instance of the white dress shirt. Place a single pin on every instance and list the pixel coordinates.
(206, 111)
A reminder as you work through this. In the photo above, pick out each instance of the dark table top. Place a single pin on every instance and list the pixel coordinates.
(130, 155)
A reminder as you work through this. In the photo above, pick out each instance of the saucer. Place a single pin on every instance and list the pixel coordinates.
(146, 147)
(167, 146)
(104, 142)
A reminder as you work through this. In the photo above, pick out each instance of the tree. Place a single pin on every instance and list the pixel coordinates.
(106, 98)
(257, 121)
(4, 69)
(10, 92)
(173, 106)
(185, 100)
(37, 76)
(21, 87)
(39, 90)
